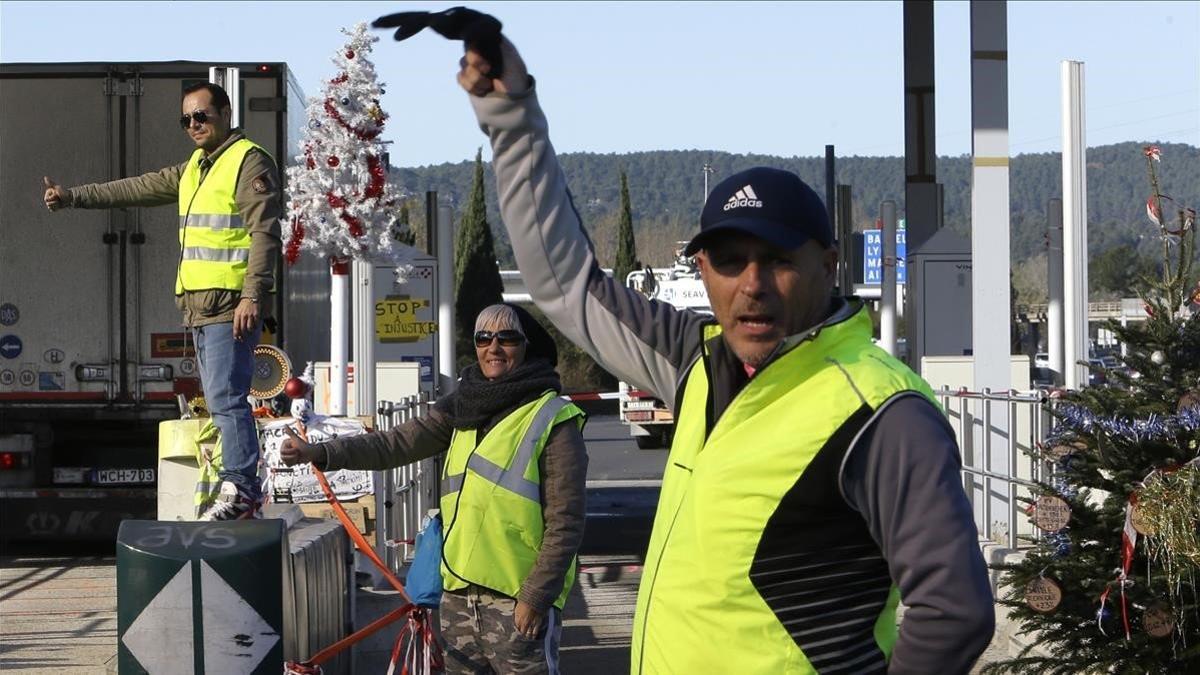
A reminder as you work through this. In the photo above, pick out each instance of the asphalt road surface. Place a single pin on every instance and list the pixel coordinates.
(613, 455)
(623, 487)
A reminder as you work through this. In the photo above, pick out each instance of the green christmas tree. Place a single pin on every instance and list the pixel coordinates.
(1112, 587)
(477, 282)
(626, 261)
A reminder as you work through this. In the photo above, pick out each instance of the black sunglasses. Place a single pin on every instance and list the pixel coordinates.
(200, 116)
(507, 338)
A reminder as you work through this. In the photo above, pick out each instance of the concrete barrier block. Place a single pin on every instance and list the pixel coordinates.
(200, 597)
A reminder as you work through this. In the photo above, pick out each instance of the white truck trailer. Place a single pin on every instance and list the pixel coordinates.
(92, 351)
(651, 422)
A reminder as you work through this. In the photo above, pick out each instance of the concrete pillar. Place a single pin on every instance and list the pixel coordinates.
(1054, 281)
(990, 246)
(1075, 269)
(447, 373)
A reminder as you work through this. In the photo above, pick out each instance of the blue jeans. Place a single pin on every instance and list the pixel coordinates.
(226, 368)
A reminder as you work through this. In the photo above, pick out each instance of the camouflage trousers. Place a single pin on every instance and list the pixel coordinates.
(481, 638)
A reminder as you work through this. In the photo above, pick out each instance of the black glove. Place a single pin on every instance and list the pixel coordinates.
(476, 29)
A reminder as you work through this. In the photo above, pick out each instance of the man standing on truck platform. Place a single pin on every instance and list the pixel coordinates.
(813, 483)
(229, 210)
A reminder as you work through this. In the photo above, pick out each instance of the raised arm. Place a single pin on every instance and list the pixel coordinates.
(642, 342)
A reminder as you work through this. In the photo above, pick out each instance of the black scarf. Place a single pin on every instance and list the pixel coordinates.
(478, 400)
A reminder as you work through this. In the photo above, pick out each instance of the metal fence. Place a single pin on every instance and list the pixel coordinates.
(405, 494)
(997, 434)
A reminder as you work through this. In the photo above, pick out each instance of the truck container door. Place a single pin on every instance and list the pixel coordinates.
(59, 335)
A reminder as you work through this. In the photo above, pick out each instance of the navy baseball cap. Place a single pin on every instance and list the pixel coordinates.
(771, 204)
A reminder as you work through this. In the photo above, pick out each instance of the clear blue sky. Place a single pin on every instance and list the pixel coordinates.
(777, 78)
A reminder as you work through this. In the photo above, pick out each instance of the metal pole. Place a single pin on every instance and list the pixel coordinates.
(1075, 271)
(1054, 280)
(431, 198)
(830, 187)
(445, 282)
(364, 337)
(845, 234)
(887, 293)
(339, 294)
(920, 151)
(707, 169)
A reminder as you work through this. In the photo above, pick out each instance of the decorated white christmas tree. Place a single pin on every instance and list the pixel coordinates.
(342, 203)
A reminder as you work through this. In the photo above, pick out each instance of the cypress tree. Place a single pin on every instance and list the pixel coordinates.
(402, 231)
(626, 261)
(477, 281)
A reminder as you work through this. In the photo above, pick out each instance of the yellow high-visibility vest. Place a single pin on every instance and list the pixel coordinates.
(213, 240)
(491, 500)
(743, 574)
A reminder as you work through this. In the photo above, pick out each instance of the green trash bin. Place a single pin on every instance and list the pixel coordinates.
(200, 597)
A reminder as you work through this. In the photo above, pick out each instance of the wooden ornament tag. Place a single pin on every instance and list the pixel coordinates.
(1158, 621)
(1138, 518)
(1043, 595)
(1051, 513)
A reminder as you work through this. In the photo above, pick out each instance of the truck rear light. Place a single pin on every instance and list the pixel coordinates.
(93, 373)
(155, 373)
(14, 461)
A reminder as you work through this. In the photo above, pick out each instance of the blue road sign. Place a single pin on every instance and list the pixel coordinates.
(10, 346)
(873, 256)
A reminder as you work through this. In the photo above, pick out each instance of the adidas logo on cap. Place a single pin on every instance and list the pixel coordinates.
(743, 197)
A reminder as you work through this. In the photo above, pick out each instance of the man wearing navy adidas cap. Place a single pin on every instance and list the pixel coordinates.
(812, 484)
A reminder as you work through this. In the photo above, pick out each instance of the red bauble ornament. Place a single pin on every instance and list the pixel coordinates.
(296, 388)
(349, 53)
(333, 161)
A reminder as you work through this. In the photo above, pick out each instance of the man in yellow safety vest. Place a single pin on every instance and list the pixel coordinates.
(229, 205)
(813, 482)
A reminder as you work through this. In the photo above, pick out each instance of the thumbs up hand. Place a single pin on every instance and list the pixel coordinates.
(296, 450)
(56, 197)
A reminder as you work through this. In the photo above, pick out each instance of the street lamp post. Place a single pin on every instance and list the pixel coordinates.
(708, 169)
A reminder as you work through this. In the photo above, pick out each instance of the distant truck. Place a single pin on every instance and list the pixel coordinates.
(651, 422)
(92, 351)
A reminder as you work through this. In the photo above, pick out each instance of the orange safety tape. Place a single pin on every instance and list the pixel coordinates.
(360, 542)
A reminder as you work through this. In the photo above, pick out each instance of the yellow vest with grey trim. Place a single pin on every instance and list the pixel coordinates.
(702, 605)
(214, 242)
(491, 499)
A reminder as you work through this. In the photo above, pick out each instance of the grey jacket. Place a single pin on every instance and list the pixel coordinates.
(901, 475)
(562, 466)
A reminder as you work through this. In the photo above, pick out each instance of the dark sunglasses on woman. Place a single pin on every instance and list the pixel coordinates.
(507, 338)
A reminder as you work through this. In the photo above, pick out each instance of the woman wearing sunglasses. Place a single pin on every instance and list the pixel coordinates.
(513, 495)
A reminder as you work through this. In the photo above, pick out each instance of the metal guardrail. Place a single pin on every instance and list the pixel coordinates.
(997, 434)
(408, 492)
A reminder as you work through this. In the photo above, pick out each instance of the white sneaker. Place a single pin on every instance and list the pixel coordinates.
(232, 503)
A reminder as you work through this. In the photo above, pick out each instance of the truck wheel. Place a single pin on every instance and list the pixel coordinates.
(651, 442)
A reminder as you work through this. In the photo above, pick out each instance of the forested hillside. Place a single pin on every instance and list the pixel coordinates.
(666, 188)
